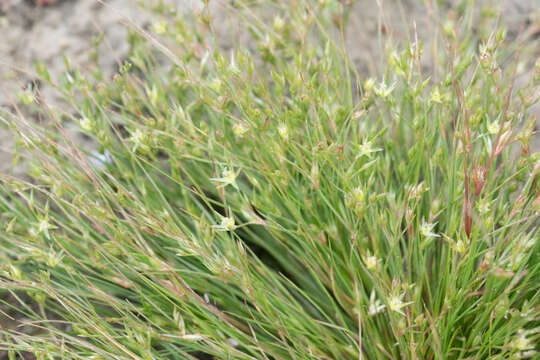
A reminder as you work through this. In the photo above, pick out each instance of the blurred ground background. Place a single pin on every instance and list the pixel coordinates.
(45, 30)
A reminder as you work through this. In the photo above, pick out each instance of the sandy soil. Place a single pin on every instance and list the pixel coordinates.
(29, 33)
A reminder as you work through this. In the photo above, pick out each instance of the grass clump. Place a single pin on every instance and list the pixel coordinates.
(266, 202)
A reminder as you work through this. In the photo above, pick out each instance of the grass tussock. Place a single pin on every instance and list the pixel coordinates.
(268, 202)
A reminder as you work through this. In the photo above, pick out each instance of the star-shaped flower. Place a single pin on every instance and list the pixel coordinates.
(395, 303)
(227, 224)
(228, 178)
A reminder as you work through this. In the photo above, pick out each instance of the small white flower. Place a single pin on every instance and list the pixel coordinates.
(396, 304)
(493, 128)
(358, 194)
(228, 178)
(369, 84)
(279, 23)
(160, 27)
(227, 224)
(521, 342)
(87, 124)
(436, 95)
(53, 258)
(43, 226)
(138, 138)
(356, 199)
(375, 305)
(366, 148)
(426, 229)
(460, 246)
(26, 97)
(382, 90)
(371, 262)
(152, 94)
(239, 129)
(483, 207)
(283, 131)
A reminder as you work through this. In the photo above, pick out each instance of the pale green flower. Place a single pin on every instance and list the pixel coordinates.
(356, 199)
(279, 23)
(86, 124)
(159, 27)
(43, 226)
(460, 246)
(383, 90)
(228, 178)
(395, 303)
(436, 95)
(483, 206)
(283, 131)
(369, 84)
(239, 129)
(138, 138)
(521, 342)
(366, 148)
(26, 97)
(54, 258)
(152, 94)
(227, 224)
(493, 128)
(371, 261)
(426, 229)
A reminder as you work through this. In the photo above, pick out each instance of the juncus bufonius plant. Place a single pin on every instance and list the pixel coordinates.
(267, 202)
